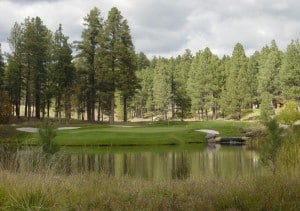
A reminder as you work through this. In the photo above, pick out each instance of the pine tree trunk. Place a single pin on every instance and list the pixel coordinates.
(48, 108)
(88, 106)
(99, 110)
(124, 108)
(182, 114)
(29, 104)
(93, 99)
(112, 108)
(17, 110)
(37, 98)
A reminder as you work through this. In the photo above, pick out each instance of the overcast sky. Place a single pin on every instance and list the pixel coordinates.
(167, 27)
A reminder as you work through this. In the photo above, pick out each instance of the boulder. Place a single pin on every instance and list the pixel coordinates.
(210, 136)
(249, 134)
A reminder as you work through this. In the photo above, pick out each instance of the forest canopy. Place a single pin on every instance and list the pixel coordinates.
(102, 75)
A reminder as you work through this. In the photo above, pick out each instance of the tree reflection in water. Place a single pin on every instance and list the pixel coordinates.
(171, 163)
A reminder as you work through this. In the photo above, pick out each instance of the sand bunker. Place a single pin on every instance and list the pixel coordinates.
(35, 130)
(208, 131)
(68, 128)
(28, 129)
(126, 126)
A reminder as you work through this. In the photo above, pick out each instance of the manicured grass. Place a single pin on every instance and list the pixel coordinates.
(153, 133)
(158, 133)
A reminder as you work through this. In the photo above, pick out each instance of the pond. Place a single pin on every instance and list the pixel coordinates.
(155, 163)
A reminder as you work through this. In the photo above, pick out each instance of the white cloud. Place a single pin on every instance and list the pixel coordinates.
(167, 27)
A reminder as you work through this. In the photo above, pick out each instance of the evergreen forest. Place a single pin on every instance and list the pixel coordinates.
(102, 75)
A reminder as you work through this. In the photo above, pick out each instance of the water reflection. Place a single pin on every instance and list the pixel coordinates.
(225, 161)
(157, 163)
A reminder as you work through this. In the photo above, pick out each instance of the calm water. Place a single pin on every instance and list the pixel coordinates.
(157, 163)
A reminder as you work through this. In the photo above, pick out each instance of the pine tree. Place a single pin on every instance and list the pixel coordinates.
(268, 79)
(118, 61)
(37, 41)
(290, 72)
(128, 81)
(236, 84)
(252, 79)
(223, 69)
(144, 95)
(203, 83)
(142, 61)
(12, 84)
(1, 70)
(182, 68)
(162, 93)
(87, 50)
(62, 73)
(80, 80)
(16, 67)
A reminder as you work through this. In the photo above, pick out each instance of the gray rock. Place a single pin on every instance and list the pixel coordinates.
(249, 134)
(210, 136)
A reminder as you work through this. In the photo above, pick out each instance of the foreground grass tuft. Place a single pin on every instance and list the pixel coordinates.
(101, 192)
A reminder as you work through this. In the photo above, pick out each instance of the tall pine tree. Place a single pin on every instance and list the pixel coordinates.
(268, 78)
(37, 42)
(252, 77)
(16, 67)
(118, 63)
(162, 93)
(290, 72)
(181, 97)
(236, 84)
(87, 50)
(203, 83)
(62, 73)
(1, 70)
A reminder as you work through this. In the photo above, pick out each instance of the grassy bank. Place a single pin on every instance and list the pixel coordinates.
(100, 192)
(153, 133)
(9, 134)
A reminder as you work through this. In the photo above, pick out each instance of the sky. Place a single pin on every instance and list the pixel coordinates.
(168, 27)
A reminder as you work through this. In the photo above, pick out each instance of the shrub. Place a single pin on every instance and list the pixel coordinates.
(272, 144)
(5, 108)
(289, 114)
(289, 155)
(46, 136)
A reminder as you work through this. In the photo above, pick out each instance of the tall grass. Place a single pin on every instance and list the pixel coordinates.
(101, 192)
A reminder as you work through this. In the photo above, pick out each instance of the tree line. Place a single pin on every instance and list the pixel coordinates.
(106, 76)
(205, 84)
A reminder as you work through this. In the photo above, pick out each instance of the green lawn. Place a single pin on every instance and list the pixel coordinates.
(158, 133)
(150, 133)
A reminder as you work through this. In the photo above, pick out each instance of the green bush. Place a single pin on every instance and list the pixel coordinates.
(289, 155)
(289, 114)
(271, 145)
(46, 136)
(5, 108)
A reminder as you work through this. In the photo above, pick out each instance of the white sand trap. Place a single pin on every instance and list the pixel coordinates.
(123, 126)
(208, 131)
(68, 128)
(28, 129)
(35, 130)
